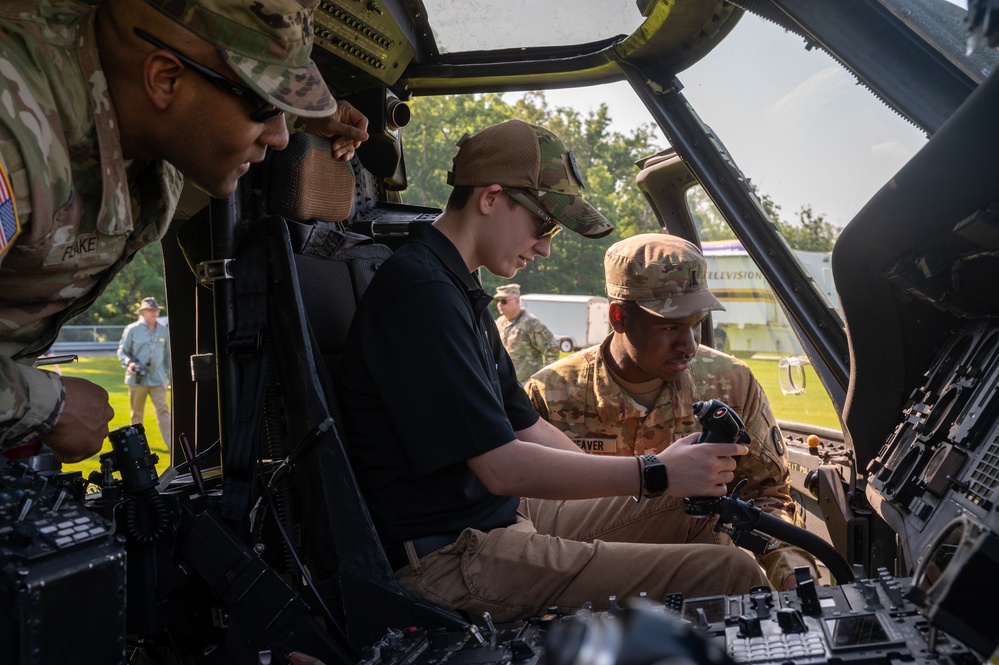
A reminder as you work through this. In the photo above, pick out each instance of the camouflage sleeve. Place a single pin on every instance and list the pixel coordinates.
(766, 469)
(547, 344)
(31, 401)
(12, 166)
(535, 393)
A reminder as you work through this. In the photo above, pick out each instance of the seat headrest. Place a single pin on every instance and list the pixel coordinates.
(306, 183)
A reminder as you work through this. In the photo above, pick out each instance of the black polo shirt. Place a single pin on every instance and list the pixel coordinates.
(426, 384)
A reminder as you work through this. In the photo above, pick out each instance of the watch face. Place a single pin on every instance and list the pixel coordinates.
(655, 477)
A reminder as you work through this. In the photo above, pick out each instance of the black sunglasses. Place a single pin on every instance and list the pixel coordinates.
(262, 111)
(550, 227)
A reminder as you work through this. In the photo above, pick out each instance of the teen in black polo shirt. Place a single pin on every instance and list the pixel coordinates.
(444, 441)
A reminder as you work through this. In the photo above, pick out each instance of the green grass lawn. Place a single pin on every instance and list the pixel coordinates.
(108, 373)
(812, 407)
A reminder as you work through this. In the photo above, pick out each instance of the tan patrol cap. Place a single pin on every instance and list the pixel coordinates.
(519, 155)
(507, 291)
(148, 303)
(664, 274)
(266, 42)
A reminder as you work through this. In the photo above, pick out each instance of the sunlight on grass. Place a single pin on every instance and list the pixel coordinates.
(108, 373)
(813, 407)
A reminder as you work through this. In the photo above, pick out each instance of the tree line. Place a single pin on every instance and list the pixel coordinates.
(606, 160)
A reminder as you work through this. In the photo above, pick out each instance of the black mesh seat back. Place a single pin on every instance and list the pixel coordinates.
(320, 272)
(330, 303)
(341, 543)
(330, 288)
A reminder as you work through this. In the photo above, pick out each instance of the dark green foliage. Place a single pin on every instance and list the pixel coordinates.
(812, 233)
(605, 158)
(141, 278)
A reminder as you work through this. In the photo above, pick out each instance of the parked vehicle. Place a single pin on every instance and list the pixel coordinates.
(576, 321)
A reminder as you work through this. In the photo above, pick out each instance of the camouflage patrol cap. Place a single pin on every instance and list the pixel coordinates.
(507, 291)
(664, 274)
(266, 42)
(520, 155)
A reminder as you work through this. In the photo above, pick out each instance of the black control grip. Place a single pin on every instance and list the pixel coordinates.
(133, 459)
(720, 424)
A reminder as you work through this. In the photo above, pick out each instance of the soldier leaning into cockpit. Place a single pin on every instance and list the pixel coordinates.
(444, 441)
(107, 109)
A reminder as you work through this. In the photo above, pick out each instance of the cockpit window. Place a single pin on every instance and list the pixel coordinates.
(797, 123)
(485, 25)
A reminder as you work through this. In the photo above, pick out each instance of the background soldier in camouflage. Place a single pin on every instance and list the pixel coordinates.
(634, 392)
(103, 114)
(529, 342)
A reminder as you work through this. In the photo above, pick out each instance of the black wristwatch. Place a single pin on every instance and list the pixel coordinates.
(655, 480)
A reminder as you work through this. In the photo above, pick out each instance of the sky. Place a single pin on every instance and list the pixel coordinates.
(810, 136)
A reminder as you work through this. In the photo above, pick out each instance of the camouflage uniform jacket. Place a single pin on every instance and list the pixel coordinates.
(578, 395)
(81, 216)
(529, 342)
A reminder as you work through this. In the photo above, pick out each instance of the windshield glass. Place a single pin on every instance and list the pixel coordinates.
(797, 123)
(484, 25)
(815, 145)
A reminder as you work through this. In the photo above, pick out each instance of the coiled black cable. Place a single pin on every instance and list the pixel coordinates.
(146, 516)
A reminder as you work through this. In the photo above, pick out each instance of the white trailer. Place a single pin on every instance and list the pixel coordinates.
(576, 321)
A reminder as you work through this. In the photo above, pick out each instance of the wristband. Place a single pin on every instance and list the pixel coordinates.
(641, 479)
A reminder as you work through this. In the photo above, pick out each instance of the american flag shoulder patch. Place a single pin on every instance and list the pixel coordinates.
(10, 225)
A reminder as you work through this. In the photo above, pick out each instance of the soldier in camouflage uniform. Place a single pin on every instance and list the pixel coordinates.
(104, 111)
(634, 393)
(444, 442)
(529, 342)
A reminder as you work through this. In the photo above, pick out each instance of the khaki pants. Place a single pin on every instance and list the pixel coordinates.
(567, 553)
(137, 404)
